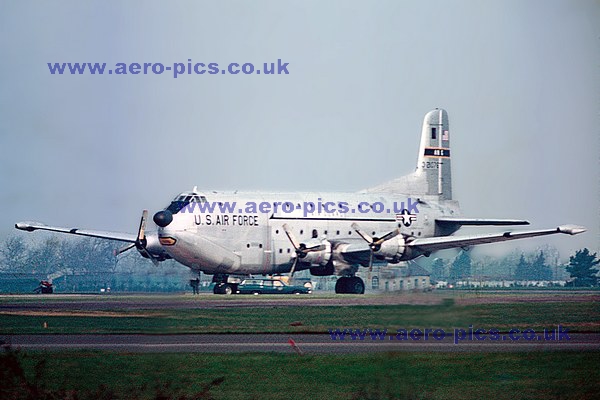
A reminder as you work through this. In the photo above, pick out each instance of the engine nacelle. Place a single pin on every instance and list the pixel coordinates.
(320, 257)
(155, 249)
(395, 250)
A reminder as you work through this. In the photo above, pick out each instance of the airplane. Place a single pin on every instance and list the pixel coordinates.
(235, 234)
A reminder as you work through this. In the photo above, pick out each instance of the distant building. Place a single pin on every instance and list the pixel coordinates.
(396, 277)
(496, 283)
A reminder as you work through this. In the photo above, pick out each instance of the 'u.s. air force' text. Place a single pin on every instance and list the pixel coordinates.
(226, 219)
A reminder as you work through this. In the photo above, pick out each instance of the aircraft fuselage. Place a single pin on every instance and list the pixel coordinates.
(245, 231)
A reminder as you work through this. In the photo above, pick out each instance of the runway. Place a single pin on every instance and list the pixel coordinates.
(11, 303)
(203, 301)
(91, 306)
(280, 343)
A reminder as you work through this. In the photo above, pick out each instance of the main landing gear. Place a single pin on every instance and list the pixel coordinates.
(350, 285)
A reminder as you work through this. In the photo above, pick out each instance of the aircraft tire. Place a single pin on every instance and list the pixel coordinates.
(341, 285)
(356, 285)
(352, 285)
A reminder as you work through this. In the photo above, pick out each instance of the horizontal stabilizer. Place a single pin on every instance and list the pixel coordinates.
(479, 221)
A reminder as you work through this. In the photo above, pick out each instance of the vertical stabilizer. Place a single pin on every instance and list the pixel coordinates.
(433, 164)
(432, 176)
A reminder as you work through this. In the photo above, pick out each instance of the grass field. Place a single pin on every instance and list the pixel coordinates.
(582, 316)
(400, 375)
(106, 375)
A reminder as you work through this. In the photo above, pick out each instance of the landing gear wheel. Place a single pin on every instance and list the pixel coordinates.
(352, 285)
(340, 285)
(356, 286)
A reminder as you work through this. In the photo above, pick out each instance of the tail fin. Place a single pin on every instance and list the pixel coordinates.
(433, 164)
(432, 176)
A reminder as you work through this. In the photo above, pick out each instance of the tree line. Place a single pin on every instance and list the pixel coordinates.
(73, 256)
(581, 268)
(91, 256)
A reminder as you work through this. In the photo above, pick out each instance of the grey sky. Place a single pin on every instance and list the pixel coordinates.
(520, 81)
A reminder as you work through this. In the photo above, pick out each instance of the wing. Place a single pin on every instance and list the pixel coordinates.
(358, 253)
(33, 226)
(479, 221)
(354, 252)
(429, 245)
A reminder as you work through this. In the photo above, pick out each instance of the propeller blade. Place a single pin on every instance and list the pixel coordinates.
(291, 236)
(362, 233)
(142, 229)
(293, 267)
(124, 249)
(140, 242)
(319, 247)
(388, 236)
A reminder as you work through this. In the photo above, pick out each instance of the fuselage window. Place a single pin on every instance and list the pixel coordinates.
(433, 133)
(315, 234)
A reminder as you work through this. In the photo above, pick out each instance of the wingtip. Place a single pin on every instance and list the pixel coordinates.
(27, 226)
(571, 229)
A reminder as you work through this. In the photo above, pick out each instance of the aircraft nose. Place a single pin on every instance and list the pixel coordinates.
(163, 218)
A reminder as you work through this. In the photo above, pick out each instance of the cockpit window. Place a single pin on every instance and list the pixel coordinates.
(176, 206)
(183, 200)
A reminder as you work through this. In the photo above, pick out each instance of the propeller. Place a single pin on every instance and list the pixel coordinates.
(300, 248)
(374, 242)
(140, 241)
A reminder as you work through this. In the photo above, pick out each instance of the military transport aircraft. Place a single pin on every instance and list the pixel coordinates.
(233, 234)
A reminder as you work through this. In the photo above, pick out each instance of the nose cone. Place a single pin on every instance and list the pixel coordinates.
(163, 218)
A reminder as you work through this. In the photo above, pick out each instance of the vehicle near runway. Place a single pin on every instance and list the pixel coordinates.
(44, 287)
(266, 286)
(231, 235)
